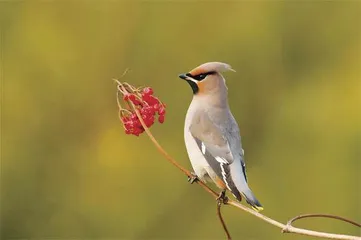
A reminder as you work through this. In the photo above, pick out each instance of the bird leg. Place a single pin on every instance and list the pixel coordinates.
(222, 198)
(193, 178)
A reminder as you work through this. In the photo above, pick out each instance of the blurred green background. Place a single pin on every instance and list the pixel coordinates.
(67, 169)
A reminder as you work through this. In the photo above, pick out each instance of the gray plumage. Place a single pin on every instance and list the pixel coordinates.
(212, 135)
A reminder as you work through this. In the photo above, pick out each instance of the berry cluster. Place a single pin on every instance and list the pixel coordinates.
(147, 105)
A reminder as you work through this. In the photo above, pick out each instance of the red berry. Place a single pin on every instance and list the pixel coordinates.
(149, 121)
(148, 106)
(147, 110)
(137, 124)
(156, 106)
(133, 116)
(151, 100)
(145, 97)
(144, 110)
(144, 117)
(148, 91)
(134, 99)
(161, 110)
(126, 97)
(131, 97)
(125, 119)
(138, 131)
(128, 125)
(161, 118)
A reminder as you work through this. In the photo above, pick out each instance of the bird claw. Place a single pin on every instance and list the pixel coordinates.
(193, 178)
(222, 198)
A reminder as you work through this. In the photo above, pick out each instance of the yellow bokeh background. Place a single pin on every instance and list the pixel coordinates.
(68, 171)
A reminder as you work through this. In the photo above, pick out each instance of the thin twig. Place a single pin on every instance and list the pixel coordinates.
(286, 228)
(320, 215)
(219, 214)
(290, 229)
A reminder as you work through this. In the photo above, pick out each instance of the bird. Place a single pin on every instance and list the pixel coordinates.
(212, 135)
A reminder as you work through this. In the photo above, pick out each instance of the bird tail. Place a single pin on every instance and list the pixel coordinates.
(252, 200)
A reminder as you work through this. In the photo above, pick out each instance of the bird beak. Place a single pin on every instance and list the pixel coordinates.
(183, 76)
(187, 77)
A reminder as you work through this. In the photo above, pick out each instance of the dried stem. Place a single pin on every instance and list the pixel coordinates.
(219, 214)
(289, 223)
(286, 228)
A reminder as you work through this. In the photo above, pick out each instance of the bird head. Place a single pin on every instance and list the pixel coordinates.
(207, 78)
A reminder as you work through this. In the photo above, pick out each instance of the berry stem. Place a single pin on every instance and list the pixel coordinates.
(118, 102)
(125, 110)
(133, 89)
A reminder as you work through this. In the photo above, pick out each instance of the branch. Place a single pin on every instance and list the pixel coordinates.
(219, 214)
(286, 228)
(324, 216)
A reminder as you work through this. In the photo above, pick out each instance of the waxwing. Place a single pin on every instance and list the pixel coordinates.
(211, 133)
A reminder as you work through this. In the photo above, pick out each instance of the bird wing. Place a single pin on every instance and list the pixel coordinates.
(215, 148)
(211, 137)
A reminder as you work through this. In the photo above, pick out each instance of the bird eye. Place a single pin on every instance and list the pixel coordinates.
(200, 77)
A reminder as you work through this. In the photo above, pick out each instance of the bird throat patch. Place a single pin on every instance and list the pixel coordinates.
(194, 86)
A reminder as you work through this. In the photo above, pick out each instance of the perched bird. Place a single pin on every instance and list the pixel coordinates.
(212, 135)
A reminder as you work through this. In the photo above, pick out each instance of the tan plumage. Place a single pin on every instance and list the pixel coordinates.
(212, 135)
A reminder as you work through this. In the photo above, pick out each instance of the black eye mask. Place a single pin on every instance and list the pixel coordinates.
(201, 76)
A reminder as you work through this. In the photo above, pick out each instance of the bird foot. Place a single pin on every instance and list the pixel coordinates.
(222, 198)
(193, 178)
